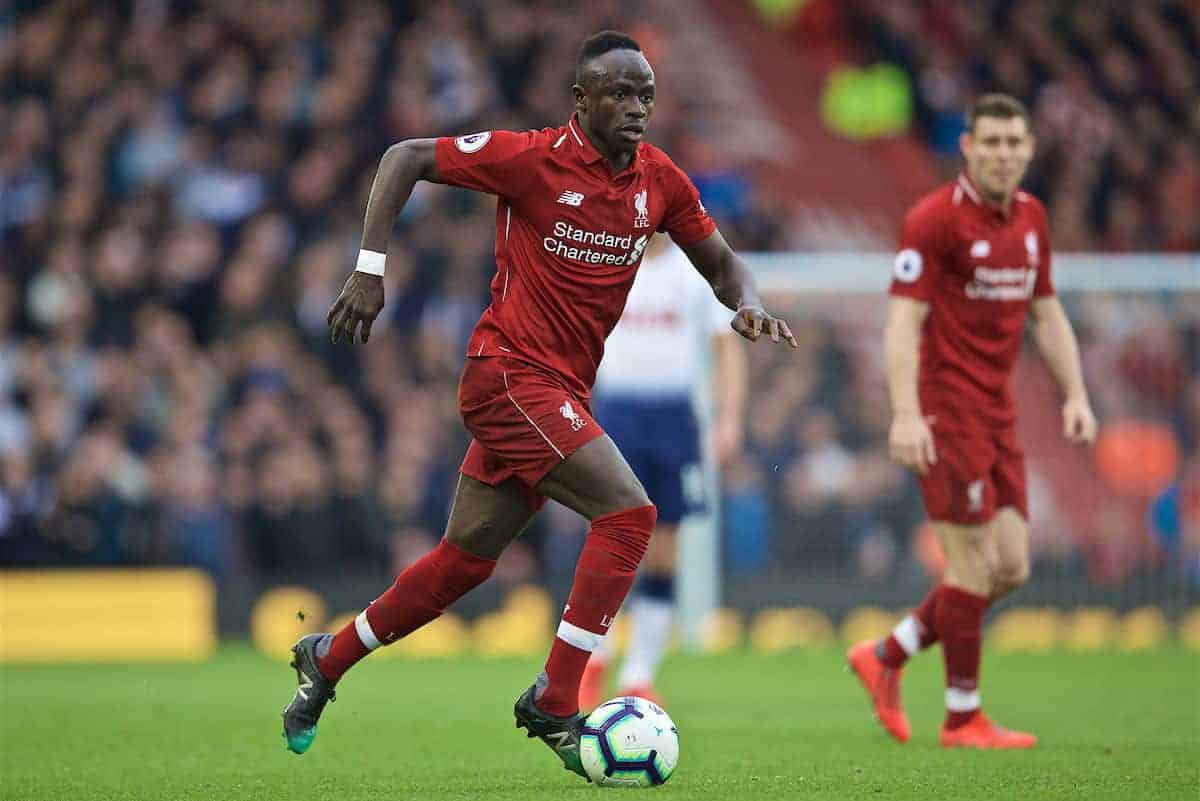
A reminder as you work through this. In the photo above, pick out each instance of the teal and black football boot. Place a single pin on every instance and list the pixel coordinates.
(314, 691)
(561, 734)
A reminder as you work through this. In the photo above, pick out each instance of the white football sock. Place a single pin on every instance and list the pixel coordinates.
(651, 619)
(961, 700)
(908, 634)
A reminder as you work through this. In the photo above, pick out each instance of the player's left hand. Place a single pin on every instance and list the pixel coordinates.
(1079, 424)
(752, 322)
(360, 301)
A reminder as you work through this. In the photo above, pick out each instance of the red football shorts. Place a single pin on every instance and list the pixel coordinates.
(978, 471)
(524, 422)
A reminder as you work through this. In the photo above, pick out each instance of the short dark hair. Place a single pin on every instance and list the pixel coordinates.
(600, 43)
(997, 104)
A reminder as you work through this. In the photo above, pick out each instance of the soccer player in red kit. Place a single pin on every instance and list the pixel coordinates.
(974, 259)
(576, 207)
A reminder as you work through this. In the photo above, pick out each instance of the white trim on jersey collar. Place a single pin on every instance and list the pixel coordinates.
(571, 125)
(965, 184)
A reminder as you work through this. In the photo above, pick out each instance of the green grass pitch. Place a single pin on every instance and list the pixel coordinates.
(752, 726)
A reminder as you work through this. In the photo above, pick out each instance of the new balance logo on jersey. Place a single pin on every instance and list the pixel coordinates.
(642, 218)
(975, 496)
(569, 198)
(572, 416)
(981, 249)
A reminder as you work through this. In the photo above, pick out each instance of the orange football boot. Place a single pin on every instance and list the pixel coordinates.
(591, 686)
(882, 684)
(980, 732)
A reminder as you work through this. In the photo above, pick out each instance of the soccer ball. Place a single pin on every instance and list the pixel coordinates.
(629, 742)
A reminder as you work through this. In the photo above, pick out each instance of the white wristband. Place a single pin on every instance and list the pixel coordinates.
(370, 261)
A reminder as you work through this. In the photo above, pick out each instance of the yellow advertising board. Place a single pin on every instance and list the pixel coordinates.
(106, 615)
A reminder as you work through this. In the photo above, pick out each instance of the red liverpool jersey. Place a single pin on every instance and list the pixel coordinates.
(569, 238)
(978, 269)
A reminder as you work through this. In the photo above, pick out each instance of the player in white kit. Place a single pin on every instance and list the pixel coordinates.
(652, 372)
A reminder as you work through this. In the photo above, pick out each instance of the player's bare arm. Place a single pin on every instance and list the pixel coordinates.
(910, 442)
(1056, 342)
(733, 284)
(361, 298)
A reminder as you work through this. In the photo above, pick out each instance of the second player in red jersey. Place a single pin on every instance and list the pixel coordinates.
(576, 206)
(973, 262)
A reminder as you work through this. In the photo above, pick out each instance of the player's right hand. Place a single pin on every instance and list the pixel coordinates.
(1079, 423)
(910, 442)
(360, 301)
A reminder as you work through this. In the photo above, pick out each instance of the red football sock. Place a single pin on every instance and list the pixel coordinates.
(607, 566)
(916, 632)
(960, 624)
(420, 594)
(926, 615)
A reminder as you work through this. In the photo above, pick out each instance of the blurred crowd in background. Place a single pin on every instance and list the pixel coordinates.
(181, 196)
(1113, 87)
(1114, 90)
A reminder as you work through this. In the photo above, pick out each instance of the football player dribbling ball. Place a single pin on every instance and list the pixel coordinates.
(576, 206)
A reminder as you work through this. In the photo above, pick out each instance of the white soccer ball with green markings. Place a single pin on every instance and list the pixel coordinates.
(629, 742)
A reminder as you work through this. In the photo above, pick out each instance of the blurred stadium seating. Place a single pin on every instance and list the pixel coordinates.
(1114, 89)
(181, 191)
